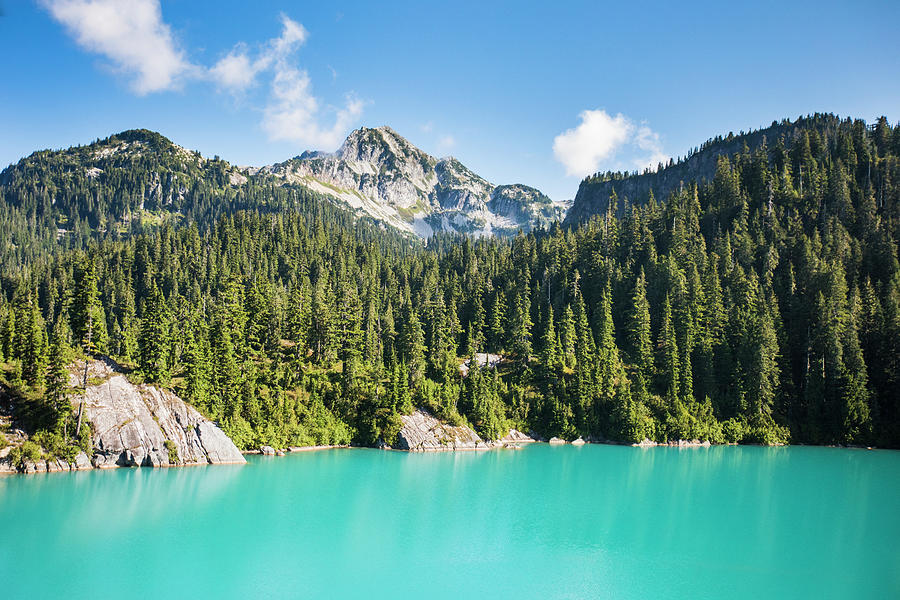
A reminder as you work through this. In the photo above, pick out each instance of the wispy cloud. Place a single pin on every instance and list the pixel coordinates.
(237, 70)
(648, 141)
(599, 137)
(446, 143)
(292, 112)
(131, 34)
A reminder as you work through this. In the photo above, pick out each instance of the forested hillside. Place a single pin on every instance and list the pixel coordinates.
(699, 165)
(762, 306)
(123, 185)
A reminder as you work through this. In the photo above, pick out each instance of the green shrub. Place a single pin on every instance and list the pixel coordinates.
(732, 431)
(767, 434)
(173, 452)
(56, 446)
(85, 441)
(27, 451)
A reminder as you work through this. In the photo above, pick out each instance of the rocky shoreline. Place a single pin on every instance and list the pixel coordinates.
(422, 432)
(270, 451)
(142, 425)
(133, 426)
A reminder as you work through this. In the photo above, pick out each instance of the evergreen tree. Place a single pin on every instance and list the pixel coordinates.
(640, 349)
(413, 345)
(56, 385)
(668, 360)
(153, 342)
(88, 319)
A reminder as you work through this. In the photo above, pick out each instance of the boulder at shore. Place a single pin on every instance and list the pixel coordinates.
(421, 432)
(146, 426)
(516, 437)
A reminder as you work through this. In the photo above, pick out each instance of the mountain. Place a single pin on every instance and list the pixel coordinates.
(762, 306)
(379, 173)
(137, 179)
(145, 169)
(699, 166)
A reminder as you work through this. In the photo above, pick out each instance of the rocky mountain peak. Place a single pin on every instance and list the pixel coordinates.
(379, 173)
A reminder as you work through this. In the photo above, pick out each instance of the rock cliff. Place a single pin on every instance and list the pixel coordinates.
(145, 426)
(421, 432)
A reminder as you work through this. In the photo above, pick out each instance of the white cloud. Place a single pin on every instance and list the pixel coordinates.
(236, 71)
(292, 113)
(427, 127)
(599, 137)
(130, 33)
(648, 140)
(446, 143)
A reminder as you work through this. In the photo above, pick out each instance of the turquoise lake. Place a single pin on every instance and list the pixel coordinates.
(542, 522)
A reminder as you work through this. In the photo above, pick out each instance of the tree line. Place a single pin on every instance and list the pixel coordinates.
(762, 306)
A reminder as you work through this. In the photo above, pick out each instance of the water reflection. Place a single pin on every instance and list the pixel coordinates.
(544, 521)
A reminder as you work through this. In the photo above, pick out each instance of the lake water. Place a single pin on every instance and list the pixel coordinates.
(543, 522)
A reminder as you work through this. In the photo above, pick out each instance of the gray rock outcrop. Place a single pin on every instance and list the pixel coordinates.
(421, 432)
(145, 426)
(516, 437)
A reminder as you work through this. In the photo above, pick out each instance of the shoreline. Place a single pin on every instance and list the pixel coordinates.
(269, 451)
(42, 467)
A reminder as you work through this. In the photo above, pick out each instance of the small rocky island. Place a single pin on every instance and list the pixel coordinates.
(135, 426)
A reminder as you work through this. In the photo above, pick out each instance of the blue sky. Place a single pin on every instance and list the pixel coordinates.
(538, 93)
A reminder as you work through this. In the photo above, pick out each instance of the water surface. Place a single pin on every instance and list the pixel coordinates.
(549, 522)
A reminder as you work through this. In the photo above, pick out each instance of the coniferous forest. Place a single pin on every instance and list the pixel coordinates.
(759, 305)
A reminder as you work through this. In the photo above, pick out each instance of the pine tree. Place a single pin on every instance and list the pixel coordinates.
(551, 361)
(568, 337)
(196, 365)
(56, 384)
(855, 412)
(413, 345)
(668, 362)
(226, 370)
(520, 328)
(497, 326)
(153, 341)
(762, 364)
(88, 319)
(640, 348)
(32, 342)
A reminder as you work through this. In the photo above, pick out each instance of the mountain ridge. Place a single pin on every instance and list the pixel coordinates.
(375, 173)
(379, 172)
(698, 166)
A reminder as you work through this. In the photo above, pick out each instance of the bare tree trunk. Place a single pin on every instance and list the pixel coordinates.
(80, 413)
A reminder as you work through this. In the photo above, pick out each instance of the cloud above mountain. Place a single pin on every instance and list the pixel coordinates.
(133, 36)
(601, 138)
